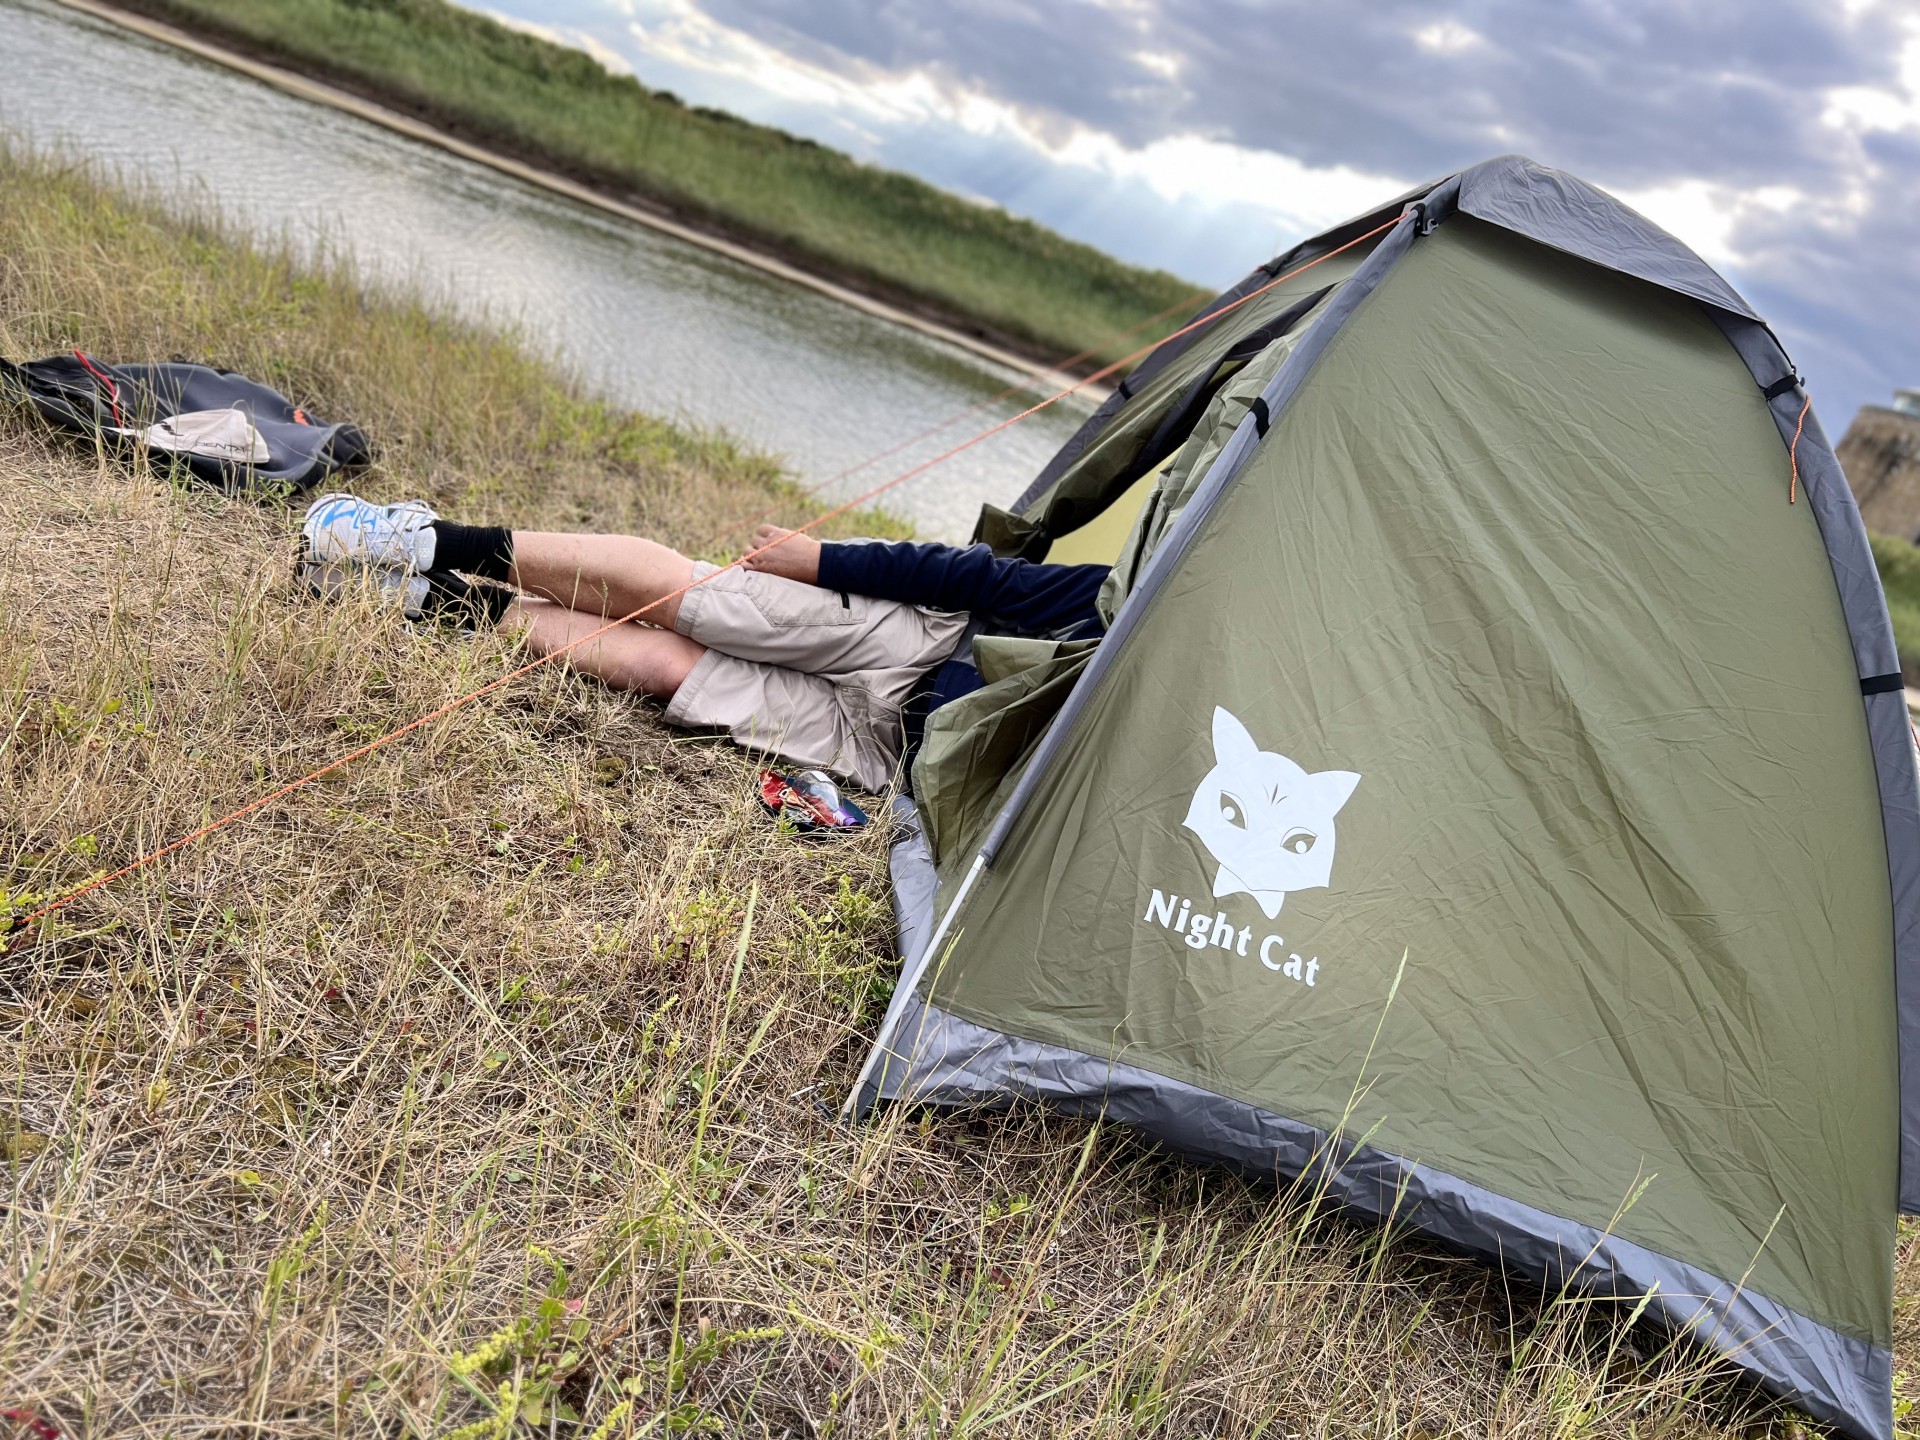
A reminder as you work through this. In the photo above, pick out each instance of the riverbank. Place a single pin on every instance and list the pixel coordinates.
(1005, 287)
(477, 1090)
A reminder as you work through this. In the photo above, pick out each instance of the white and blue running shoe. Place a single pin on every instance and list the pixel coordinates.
(406, 591)
(343, 529)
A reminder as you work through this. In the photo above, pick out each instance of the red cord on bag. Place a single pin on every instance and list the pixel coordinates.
(113, 388)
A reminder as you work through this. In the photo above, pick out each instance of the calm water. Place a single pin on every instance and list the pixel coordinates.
(653, 323)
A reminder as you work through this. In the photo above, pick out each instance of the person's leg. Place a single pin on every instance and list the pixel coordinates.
(748, 614)
(607, 575)
(627, 657)
(819, 681)
(601, 574)
(806, 719)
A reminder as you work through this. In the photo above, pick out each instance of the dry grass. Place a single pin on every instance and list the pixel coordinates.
(479, 1091)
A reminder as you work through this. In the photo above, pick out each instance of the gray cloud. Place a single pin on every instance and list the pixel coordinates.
(1639, 91)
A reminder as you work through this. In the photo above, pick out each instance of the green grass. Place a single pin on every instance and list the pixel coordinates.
(894, 233)
(1899, 566)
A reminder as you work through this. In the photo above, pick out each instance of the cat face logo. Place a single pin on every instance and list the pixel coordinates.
(1268, 822)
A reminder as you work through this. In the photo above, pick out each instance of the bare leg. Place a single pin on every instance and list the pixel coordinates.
(605, 575)
(627, 657)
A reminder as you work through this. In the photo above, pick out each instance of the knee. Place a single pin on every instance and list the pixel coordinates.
(661, 666)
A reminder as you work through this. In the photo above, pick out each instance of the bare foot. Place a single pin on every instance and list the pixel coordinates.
(793, 555)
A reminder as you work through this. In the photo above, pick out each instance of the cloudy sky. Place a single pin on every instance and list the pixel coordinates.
(1781, 140)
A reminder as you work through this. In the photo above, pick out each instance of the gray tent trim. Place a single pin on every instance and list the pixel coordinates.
(1836, 1378)
(1564, 211)
(915, 885)
(1890, 731)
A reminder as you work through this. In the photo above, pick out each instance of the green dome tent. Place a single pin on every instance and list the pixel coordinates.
(1499, 694)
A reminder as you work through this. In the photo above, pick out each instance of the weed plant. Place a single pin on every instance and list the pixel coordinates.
(1899, 565)
(558, 106)
(482, 1091)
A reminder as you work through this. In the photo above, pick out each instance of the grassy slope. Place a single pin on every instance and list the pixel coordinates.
(496, 1063)
(1899, 566)
(973, 262)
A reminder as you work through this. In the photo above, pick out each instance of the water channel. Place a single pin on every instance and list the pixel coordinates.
(649, 321)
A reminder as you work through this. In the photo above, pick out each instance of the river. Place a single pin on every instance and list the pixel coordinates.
(649, 321)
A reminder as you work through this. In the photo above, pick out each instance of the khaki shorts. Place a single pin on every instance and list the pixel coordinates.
(812, 675)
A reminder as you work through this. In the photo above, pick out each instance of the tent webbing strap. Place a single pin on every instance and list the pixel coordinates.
(1882, 684)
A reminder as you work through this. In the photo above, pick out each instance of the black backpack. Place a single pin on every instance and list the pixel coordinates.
(225, 429)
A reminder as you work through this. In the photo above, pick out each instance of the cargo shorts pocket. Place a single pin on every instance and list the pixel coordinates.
(788, 604)
(873, 737)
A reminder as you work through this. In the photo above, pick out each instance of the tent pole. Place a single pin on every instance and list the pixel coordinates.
(908, 979)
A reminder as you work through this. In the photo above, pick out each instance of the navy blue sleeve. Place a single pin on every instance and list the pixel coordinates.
(1018, 596)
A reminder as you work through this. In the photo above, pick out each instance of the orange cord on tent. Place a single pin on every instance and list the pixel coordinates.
(261, 802)
(1793, 451)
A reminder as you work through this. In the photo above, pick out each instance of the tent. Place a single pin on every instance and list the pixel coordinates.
(1494, 796)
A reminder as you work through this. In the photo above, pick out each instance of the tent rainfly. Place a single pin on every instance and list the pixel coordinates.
(1494, 618)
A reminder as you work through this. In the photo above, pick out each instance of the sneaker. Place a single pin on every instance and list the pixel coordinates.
(389, 585)
(809, 801)
(343, 529)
